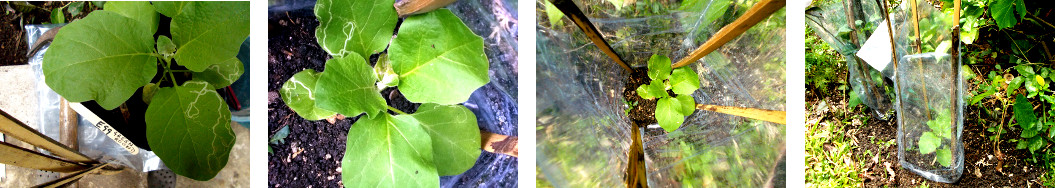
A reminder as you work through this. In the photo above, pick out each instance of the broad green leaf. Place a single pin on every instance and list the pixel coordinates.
(455, 136)
(361, 26)
(347, 87)
(189, 128)
(854, 100)
(944, 157)
(659, 67)
(979, 97)
(104, 57)
(169, 8)
(222, 74)
(164, 45)
(688, 104)
(57, 16)
(1023, 111)
(438, 59)
(928, 142)
(387, 151)
(299, 94)
(684, 81)
(208, 32)
(1003, 13)
(668, 114)
(652, 90)
(138, 10)
(74, 8)
(1037, 143)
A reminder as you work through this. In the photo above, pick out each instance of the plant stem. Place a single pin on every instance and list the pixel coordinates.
(396, 110)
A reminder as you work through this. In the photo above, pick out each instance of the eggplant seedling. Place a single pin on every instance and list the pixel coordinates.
(434, 60)
(112, 53)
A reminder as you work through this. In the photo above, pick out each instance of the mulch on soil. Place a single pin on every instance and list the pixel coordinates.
(985, 165)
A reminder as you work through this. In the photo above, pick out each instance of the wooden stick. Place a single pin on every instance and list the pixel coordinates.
(572, 11)
(14, 128)
(759, 11)
(753, 113)
(501, 144)
(635, 168)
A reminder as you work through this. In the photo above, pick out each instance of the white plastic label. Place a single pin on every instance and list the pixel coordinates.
(877, 51)
(106, 128)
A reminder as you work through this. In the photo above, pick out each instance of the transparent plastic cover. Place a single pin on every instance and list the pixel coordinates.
(583, 132)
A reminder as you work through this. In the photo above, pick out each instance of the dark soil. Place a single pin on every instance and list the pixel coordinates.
(13, 47)
(642, 110)
(311, 154)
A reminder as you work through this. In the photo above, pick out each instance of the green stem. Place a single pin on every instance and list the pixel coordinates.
(396, 110)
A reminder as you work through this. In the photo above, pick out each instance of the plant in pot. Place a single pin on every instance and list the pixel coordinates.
(126, 58)
(434, 61)
(662, 92)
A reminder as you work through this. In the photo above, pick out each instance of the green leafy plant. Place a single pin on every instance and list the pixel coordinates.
(111, 53)
(932, 141)
(670, 109)
(278, 138)
(434, 60)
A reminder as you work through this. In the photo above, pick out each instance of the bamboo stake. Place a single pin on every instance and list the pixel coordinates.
(635, 168)
(501, 144)
(759, 11)
(572, 11)
(753, 113)
(14, 128)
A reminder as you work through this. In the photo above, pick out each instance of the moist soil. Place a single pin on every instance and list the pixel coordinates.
(642, 110)
(312, 153)
(16, 15)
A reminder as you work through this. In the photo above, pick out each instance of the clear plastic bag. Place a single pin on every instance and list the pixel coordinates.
(930, 91)
(583, 132)
(845, 25)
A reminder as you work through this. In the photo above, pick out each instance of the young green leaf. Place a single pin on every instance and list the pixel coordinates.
(280, 136)
(57, 17)
(438, 59)
(659, 67)
(148, 92)
(347, 87)
(944, 157)
(361, 26)
(189, 128)
(138, 10)
(208, 32)
(85, 56)
(1037, 143)
(553, 14)
(387, 151)
(928, 142)
(652, 90)
(688, 104)
(221, 74)
(299, 94)
(668, 113)
(455, 136)
(684, 81)
(164, 45)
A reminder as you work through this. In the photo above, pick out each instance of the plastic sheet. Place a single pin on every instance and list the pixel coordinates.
(583, 131)
(845, 25)
(930, 91)
(92, 142)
